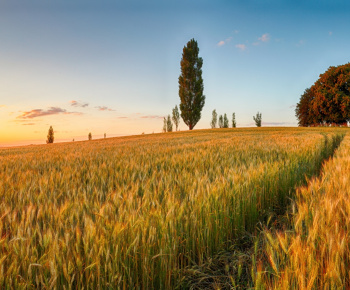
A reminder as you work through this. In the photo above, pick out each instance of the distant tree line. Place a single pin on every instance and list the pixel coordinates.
(191, 95)
(223, 120)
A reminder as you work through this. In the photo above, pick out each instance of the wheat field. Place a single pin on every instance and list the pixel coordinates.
(315, 252)
(133, 212)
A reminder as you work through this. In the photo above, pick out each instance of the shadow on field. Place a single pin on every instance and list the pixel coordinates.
(235, 268)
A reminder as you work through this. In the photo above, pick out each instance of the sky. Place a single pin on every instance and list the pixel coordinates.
(113, 66)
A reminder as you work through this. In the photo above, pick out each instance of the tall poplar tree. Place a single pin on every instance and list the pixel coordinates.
(176, 117)
(221, 121)
(233, 120)
(169, 124)
(225, 121)
(214, 119)
(191, 85)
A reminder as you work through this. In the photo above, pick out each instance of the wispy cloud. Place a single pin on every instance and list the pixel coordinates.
(28, 124)
(78, 104)
(151, 117)
(241, 46)
(264, 38)
(104, 108)
(292, 106)
(330, 33)
(2, 106)
(223, 42)
(41, 113)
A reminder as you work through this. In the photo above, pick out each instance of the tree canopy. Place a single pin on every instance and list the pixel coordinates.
(327, 101)
(191, 85)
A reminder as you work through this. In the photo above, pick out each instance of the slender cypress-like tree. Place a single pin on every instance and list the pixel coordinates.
(221, 122)
(169, 124)
(50, 136)
(225, 121)
(176, 117)
(90, 136)
(191, 85)
(234, 120)
(164, 125)
(214, 119)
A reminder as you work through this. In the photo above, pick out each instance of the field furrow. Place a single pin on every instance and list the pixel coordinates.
(132, 212)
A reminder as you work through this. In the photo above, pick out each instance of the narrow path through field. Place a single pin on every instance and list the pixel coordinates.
(315, 252)
(239, 266)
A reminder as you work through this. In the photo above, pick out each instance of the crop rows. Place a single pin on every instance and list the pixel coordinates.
(315, 252)
(132, 212)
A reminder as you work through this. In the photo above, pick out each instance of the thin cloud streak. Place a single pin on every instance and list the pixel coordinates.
(104, 108)
(41, 113)
(152, 117)
(78, 104)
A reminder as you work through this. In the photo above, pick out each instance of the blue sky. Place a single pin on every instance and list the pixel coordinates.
(113, 66)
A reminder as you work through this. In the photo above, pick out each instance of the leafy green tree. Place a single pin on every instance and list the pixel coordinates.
(176, 117)
(90, 136)
(327, 102)
(221, 122)
(169, 124)
(258, 119)
(164, 125)
(214, 119)
(234, 120)
(191, 85)
(225, 121)
(50, 136)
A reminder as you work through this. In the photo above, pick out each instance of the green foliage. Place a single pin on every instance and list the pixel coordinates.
(327, 102)
(176, 117)
(214, 119)
(169, 124)
(225, 125)
(257, 118)
(234, 120)
(90, 136)
(221, 121)
(164, 125)
(50, 136)
(191, 85)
